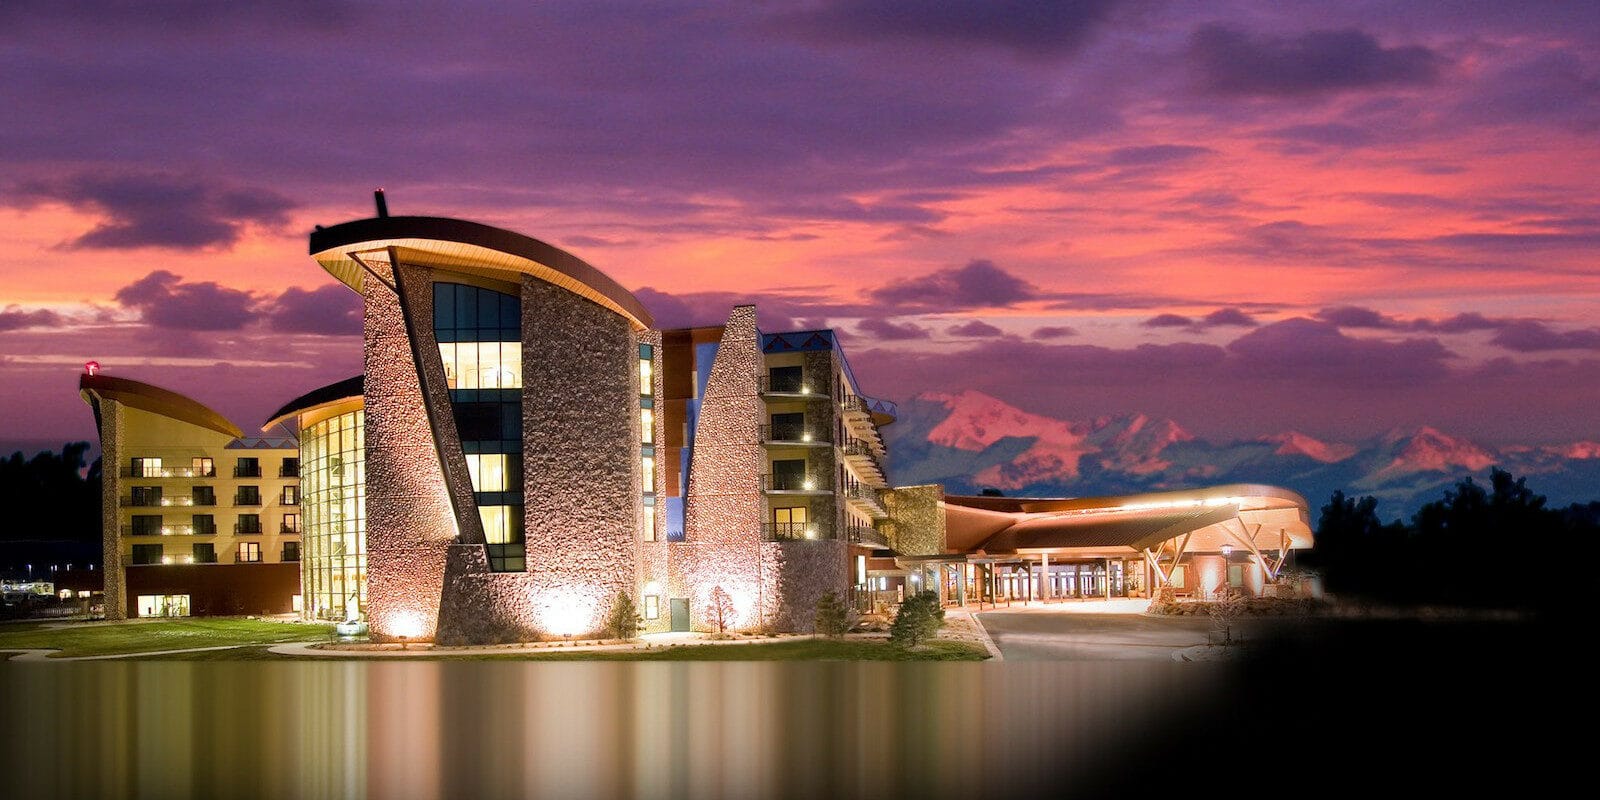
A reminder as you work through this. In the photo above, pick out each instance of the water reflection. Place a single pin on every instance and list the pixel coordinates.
(481, 730)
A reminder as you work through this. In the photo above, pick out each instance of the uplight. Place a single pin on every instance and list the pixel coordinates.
(166, 559)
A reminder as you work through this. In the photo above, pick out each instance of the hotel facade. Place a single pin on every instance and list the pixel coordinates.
(524, 447)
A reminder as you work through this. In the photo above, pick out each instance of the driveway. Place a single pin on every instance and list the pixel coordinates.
(1062, 635)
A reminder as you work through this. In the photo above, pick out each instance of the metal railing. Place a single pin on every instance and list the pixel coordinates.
(804, 385)
(245, 527)
(286, 471)
(861, 534)
(796, 531)
(862, 449)
(793, 483)
(290, 555)
(171, 530)
(246, 471)
(283, 528)
(247, 500)
(794, 432)
(864, 493)
(169, 472)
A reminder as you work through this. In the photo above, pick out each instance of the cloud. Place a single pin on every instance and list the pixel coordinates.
(1168, 321)
(1233, 62)
(14, 318)
(1221, 318)
(1054, 332)
(165, 301)
(979, 284)
(1531, 336)
(887, 330)
(1304, 348)
(166, 211)
(1331, 134)
(1357, 317)
(1152, 155)
(330, 310)
(1032, 28)
(976, 329)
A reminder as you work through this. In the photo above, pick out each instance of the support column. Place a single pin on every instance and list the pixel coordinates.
(1107, 581)
(961, 584)
(1047, 588)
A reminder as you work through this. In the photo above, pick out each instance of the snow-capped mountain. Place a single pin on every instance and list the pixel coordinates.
(971, 441)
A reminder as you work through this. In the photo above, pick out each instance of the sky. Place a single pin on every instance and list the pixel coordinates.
(1249, 217)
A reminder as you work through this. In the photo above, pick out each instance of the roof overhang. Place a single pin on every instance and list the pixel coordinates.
(156, 400)
(335, 398)
(469, 247)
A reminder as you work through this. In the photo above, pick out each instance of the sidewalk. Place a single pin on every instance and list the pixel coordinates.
(649, 641)
(963, 625)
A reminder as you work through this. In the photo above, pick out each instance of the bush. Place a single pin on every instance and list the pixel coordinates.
(625, 619)
(833, 619)
(918, 620)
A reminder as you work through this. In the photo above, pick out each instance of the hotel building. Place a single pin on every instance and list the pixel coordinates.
(524, 446)
(198, 518)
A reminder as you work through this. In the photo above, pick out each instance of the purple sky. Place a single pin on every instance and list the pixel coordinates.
(1249, 217)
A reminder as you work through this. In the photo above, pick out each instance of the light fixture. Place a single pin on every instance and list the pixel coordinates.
(1227, 550)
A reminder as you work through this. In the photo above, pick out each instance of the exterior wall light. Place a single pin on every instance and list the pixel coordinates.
(1227, 550)
(805, 437)
(809, 484)
(166, 559)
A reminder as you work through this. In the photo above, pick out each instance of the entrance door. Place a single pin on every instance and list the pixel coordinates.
(678, 609)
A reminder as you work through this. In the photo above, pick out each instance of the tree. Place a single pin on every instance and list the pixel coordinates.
(918, 620)
(1228, 606)
(625, 619)
(720, 606)
(833, 619)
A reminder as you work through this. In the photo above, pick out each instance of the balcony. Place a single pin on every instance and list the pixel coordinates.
(867, 500)
(865, 456)
(790, 386)
(795, 484)
(870, 537)
(169, 472)
(288, 528)
(203, 500)
(796, 531)
(289, 471)
(171, 530)
(247, 527)
(157, 502)
(795, 434)
(290, 556)
(247, 500)
(247, 471)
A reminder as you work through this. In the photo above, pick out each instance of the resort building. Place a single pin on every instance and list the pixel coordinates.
(524, 448)
(198, 518)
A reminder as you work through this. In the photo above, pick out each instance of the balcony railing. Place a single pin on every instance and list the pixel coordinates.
(288, 471)
(158, 502)
(247, 527)
(290, 555)
(246, 500)
(288, 528)
(247, 471)
(169, 472)
(796, 531)
(795, 432)
(866, 498)
(802, 385)
(205, 559)
(170, 530)
(861, 449)
(793, 483)
(239, 558)
(861, 534)
(854, 403)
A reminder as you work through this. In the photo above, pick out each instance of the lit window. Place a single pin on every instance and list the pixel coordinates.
(1178, 576)
(482, 365)
(249, 553)
(647, 373)
(647, 425)
(488, 472)
(648, 522)
(649, 465)
(652, 607)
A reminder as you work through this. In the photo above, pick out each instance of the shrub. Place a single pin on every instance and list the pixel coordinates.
(918, 619)
(832, 617)
(625, 619)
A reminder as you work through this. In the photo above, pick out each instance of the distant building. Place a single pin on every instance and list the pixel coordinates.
(198, 518)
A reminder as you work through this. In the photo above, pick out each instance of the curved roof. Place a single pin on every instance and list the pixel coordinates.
(446, 243)
(347, 389)
(1245, 495)
(157, 400)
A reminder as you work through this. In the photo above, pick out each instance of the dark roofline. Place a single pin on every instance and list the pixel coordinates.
(446, 229)
(156, 400)
(333, 392)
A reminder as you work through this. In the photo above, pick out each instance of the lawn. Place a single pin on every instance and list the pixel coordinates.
(796, 650)
(85, 639)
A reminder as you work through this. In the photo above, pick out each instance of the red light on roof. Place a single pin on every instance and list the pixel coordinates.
(91, 367)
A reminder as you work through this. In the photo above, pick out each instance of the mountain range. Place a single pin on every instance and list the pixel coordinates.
(970, 442)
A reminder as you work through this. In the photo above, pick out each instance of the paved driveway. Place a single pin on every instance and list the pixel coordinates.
(1053, 635)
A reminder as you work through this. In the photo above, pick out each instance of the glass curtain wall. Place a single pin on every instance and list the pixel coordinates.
(479, 333)
(333, 568)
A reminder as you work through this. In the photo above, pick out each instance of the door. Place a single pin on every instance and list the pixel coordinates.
(679, 611)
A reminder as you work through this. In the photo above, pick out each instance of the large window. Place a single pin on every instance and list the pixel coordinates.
(146, 525)
(146, 554)
(249, 553)
(479, 334)
(205, 553)
(163, 605)
(333, 487)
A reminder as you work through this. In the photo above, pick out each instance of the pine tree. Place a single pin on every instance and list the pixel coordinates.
(625, 619)
(918, 620)
(832, 617)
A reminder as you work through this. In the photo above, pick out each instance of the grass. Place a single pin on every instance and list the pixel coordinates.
(83, 639)
(796, 650)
